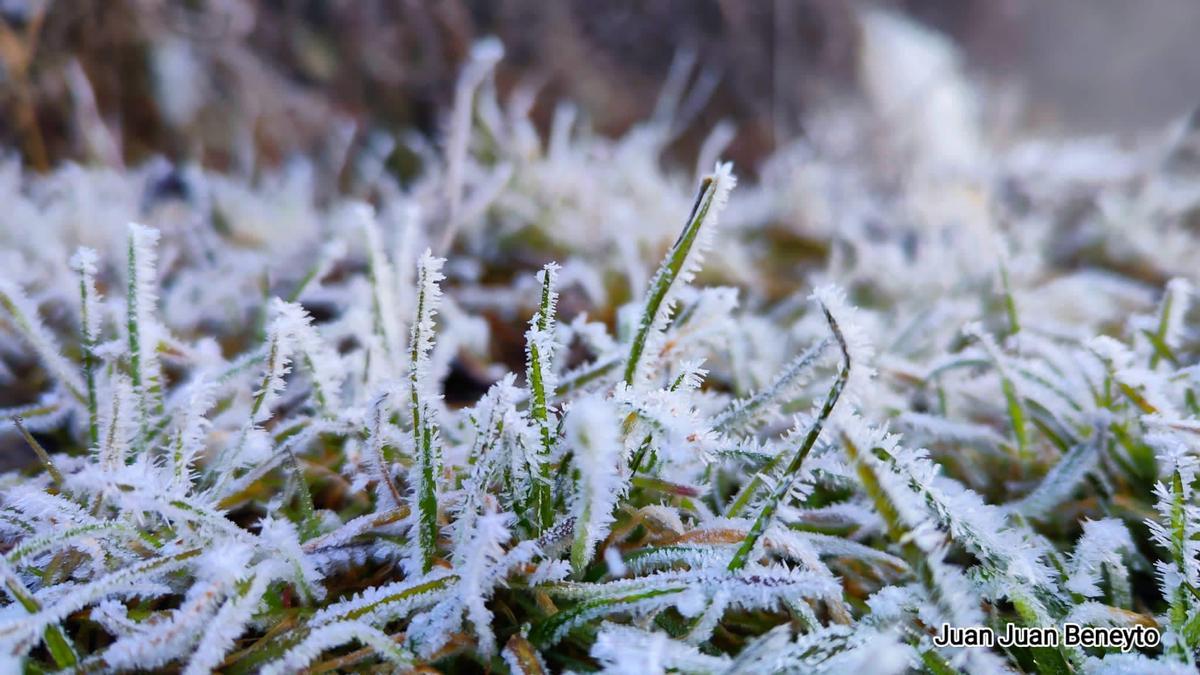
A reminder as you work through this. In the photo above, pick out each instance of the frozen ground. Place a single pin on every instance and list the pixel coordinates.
(556, 403)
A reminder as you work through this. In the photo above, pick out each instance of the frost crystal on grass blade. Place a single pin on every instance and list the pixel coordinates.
(24, 315)
(141, 330)
(678, 269)
(84, 263)
(425, 438)
(591, 429)
(540, 349)
(1099, 554)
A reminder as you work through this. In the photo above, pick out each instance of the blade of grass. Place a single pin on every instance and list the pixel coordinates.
(742, 555)
(539, 369)
(44, 456)
(56, 641)
(674, 265)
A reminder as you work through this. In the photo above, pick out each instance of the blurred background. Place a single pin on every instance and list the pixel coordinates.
(120, 81)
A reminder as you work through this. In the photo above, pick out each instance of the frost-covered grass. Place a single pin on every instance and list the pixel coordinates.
(792, 426)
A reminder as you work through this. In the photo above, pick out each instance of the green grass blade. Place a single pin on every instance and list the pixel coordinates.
(741, 557)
